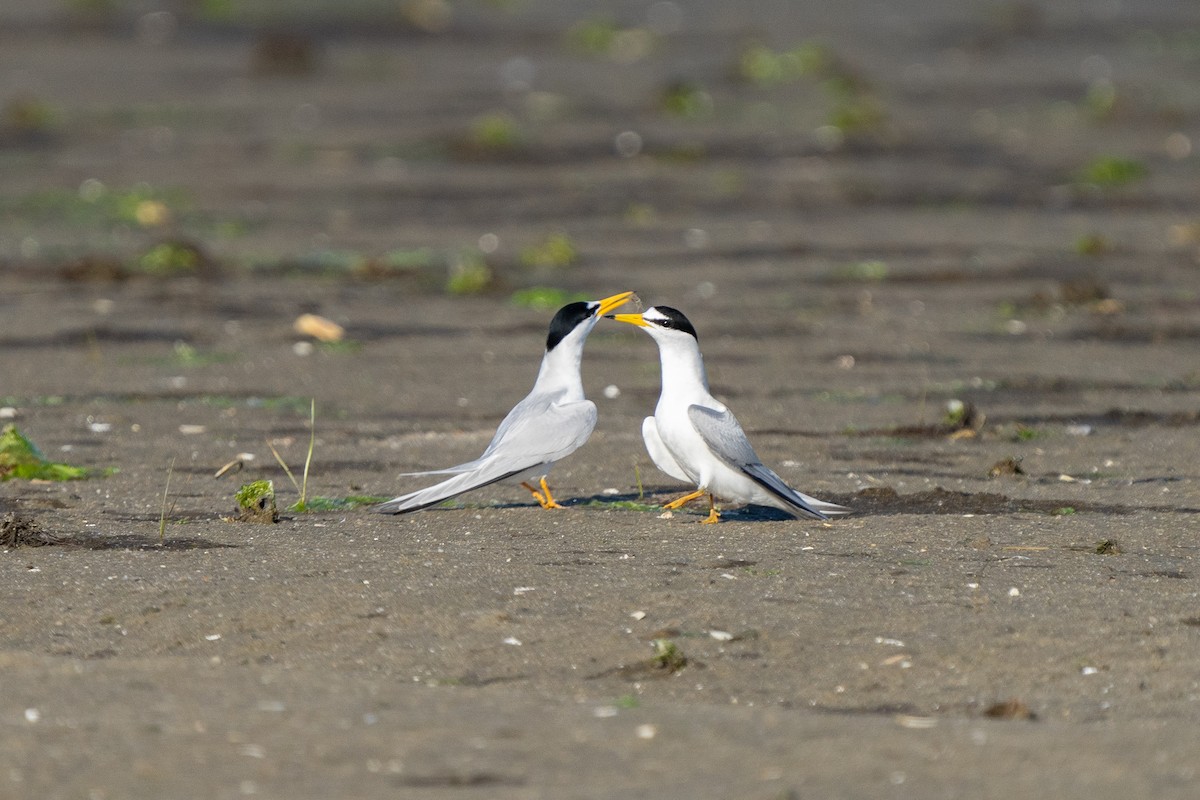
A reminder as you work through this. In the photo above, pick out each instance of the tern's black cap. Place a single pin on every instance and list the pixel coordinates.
(671, 318)
(568, 319)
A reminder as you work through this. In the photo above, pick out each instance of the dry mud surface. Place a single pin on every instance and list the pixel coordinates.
(974, 630)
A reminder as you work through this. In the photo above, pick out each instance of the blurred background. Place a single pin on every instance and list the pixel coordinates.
(494, 146)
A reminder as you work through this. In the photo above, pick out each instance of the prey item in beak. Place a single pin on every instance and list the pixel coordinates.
(632, 319)
(616, 301)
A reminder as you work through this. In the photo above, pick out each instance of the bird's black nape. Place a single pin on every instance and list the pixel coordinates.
(566, 320)
(672, 318)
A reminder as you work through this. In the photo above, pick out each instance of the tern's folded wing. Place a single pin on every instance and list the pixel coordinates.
(723, 435)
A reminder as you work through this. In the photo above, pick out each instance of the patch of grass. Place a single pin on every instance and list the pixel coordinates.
(1024, 433)
(556, 251)
(341, 346)
(350, 501)
(668, 656)
(256, 502)
(854, 107)
(185, 355)
(495, 132)
(627, 505)
(301, 505)
(28, 118)
(170, 259)
(545, 298)
(1093, 244)
(764, 67)
(95, 205)
(469, 274)
(1109, 172)
(603, 37)
(686, 99)
(162, 515)
(20, 458)
(641, 215)
(593, 36)
(627, 701)
(1100, 100)
(867, 271)
(1065, 511)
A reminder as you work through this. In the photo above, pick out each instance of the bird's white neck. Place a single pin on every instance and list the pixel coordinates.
(560, 371)
(683, 372)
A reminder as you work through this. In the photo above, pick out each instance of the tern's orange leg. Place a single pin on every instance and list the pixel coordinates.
(544, 498)
(680, 502)
(713, 514)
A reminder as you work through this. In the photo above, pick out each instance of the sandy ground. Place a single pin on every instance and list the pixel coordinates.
(962, 635)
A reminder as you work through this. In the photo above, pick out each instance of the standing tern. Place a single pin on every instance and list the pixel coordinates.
(694, 437)
(552, 422)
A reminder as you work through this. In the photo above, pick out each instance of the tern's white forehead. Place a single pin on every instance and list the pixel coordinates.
(654, 315)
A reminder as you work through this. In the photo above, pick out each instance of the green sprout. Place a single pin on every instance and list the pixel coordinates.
(1111, 171)
(544, 298)
(469, 274)
(556, 251)
(301, 505)
(495, 132)
(668, 656)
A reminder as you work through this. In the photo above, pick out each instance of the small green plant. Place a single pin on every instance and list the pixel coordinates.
(256, 502)
(863, 271)
(301, 505)
(626, 505)
(556, 251)
(28, 118)
(186, 355)
(162, 515)
(469, 274)
(593, 36)
(1024, 433)
(170, 258)
(495, 132)
(762, 66)
(20, 458)
(1065, 511)
(668, 656)
(1093, 244)
(545, 298)
(1100, 100)
(686, 99)
(343, 503)
(1109, 172)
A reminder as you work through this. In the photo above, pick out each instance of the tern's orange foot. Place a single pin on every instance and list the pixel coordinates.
(714, 516)
(544, 498)
(680, 502)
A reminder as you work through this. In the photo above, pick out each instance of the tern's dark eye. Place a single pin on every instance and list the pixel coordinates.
(674, 320)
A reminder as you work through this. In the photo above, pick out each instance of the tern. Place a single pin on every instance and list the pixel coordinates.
(553, 421)
(694, 437)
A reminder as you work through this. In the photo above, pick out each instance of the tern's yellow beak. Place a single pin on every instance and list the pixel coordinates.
(632, 319)
(616, 301)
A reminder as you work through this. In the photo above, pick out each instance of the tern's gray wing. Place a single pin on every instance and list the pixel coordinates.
(542, 428)
(554, 422)
(724, 436)
(539, 430)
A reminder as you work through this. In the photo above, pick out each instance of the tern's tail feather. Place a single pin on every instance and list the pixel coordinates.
(797, 503)
(439, 492)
